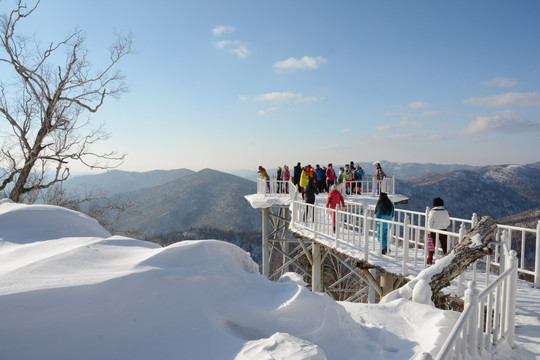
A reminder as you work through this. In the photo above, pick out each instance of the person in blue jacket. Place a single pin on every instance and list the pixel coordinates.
(384, 210)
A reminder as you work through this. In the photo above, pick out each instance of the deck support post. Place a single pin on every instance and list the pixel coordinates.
(316, 268)
(285, 244)
(265, 242)
(387, 283)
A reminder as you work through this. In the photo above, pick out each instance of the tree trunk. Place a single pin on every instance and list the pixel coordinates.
(474, 246)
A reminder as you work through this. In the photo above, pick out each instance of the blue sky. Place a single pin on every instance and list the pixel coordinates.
(237, 84)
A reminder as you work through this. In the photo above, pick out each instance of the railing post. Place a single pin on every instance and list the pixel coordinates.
(461, 277)
(474, 221)
(506, 239)
(294, 210)
(537, 258)
(338, 224)
(315, 218)
(471, 299)
(510, 311)
(405, 268)
(426, 234)
(366, 228)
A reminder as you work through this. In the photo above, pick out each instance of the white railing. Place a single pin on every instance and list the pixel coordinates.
(496, 261)
(273, 187)
(488, 318)
(354, 226)
(523, 236)
(417, 236)
(368, 187)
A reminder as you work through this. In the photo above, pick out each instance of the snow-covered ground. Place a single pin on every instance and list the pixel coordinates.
(70, 290)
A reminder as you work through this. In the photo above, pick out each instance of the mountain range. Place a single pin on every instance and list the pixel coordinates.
(497, 191)
(164, 202)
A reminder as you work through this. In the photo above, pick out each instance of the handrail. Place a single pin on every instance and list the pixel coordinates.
(372, 186)
(489, 315)
(474, 331)
(272, 186)
(488, 318)
(356, 227)
(418, 226)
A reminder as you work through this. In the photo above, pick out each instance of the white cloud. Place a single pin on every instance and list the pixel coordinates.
(401, 137)
(404, 137)
(236, 47)
(418, 105)
(507, 99)
(500, 82)
(385, 128)
(501, 122)
(306, 62)
(284, 96)
(266, 112)
(430, 113)
(223, 29)
(345, 130)
(405, 122)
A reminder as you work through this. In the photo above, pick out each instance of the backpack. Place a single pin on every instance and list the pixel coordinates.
(355, 175)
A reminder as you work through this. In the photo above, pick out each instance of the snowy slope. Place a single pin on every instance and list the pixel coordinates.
(69, 290)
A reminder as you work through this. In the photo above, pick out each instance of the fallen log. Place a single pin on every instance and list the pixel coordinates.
(473, 246)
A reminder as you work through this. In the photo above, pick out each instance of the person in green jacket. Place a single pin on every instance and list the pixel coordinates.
(264, 175)
(304, 178)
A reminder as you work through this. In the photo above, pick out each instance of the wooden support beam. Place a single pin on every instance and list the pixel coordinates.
(387, 283)
(372, 281)
(306, 250)
(316, 268)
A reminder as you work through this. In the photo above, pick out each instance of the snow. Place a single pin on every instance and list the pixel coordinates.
(476, 240)
(260, 201)
(70, 290)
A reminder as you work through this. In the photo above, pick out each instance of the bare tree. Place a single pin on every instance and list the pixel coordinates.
(48, 106)
(106, 209)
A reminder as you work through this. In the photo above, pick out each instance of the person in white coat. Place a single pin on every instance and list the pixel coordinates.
(439, 219)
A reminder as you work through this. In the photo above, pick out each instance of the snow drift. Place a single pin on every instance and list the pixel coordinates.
(70, 290)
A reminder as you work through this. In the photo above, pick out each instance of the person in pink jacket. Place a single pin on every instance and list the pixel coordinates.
(286, 178)
(330, 177)
(334, 199)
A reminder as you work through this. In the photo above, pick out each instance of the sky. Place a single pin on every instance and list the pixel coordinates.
(70, 290)
(238, 84)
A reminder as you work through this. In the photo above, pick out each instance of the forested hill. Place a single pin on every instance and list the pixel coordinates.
(496, 191)
(165, 202)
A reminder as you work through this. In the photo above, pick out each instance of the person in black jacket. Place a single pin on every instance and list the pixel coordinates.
(311, 191)
(297, 171)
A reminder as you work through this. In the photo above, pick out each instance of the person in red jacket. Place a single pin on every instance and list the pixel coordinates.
(334, 199)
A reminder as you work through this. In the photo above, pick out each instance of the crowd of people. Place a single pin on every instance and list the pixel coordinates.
(312, 181)
(322, 177)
